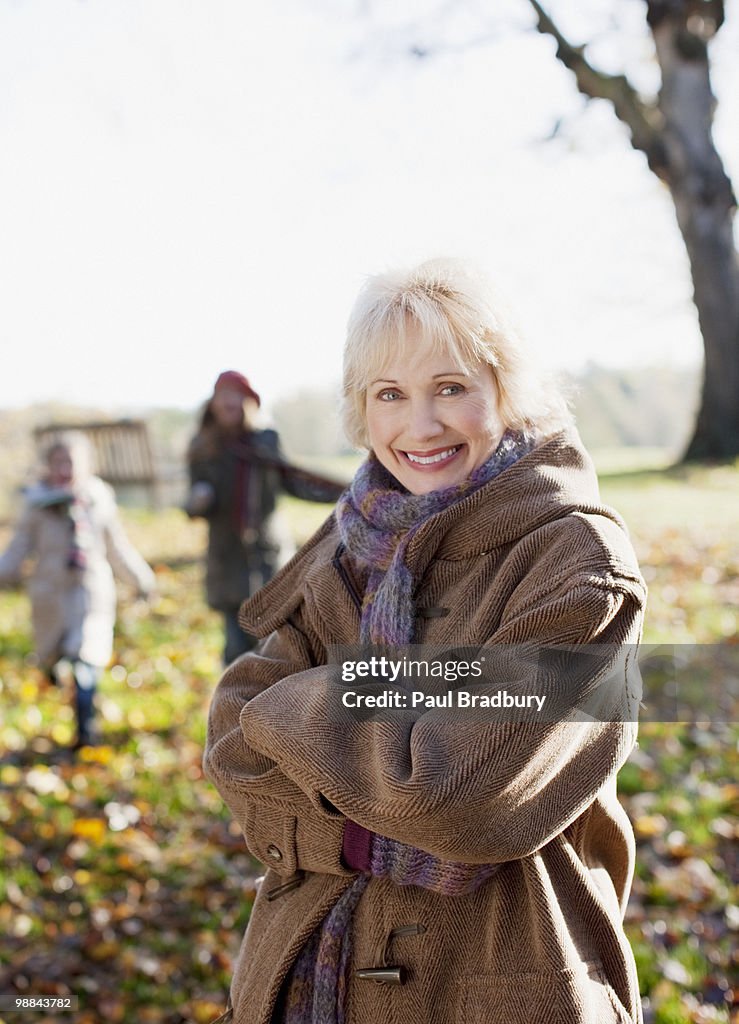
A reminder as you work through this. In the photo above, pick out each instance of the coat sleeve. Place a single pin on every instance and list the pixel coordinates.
(467, 789)
(20, 547)
(127, 563)
(271, 809)
(202, 497)
(297, 482)
(301, 483)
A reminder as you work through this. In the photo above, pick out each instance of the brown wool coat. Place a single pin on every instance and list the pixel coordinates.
(531, 557)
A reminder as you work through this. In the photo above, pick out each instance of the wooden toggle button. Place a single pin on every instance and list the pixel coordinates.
(383, 975)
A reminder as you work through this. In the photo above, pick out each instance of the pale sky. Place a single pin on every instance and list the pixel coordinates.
(195, 185)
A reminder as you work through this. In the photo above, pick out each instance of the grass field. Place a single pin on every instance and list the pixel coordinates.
(124, 883)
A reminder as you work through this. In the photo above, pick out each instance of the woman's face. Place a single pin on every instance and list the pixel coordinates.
(227, 407)
(430, 421)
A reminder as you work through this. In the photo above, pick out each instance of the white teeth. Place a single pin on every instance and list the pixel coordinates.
(427, 460)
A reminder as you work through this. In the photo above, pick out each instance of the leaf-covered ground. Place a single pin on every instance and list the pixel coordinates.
(123, 883)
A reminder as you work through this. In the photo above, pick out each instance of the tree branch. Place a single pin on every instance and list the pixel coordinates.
(642, 119)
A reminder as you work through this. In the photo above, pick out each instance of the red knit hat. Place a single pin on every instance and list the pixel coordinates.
(235, 381)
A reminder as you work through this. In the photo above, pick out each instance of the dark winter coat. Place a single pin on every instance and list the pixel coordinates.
(246, 542)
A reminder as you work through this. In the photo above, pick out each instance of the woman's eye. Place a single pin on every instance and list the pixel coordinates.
(452, 389)
(388, 395)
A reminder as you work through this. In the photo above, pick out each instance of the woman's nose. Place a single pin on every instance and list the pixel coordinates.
(424, 421)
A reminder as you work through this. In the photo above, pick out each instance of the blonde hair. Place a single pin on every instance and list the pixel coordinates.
(454, 307)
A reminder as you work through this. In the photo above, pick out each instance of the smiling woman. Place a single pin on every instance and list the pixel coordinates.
(423, 867)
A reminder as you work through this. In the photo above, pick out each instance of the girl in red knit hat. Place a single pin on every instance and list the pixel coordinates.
(237, 473)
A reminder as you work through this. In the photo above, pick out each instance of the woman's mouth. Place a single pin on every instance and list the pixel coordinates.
(433, 458)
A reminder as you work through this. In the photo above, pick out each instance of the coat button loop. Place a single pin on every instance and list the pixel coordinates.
(274, 852)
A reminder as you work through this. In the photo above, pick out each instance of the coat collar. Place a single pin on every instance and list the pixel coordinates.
(553, 480)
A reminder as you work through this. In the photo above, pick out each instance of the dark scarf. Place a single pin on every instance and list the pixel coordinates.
(377, 520)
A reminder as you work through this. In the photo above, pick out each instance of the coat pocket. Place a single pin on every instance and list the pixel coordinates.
(580, 995)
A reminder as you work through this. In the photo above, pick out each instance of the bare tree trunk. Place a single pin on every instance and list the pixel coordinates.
(675, 135)
(704, 204)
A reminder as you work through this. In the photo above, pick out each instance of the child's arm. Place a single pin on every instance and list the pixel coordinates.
(20, 547)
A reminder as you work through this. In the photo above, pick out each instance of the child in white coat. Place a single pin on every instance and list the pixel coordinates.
(70, 528)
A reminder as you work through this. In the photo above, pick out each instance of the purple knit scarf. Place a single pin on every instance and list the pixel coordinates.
(377, 520)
